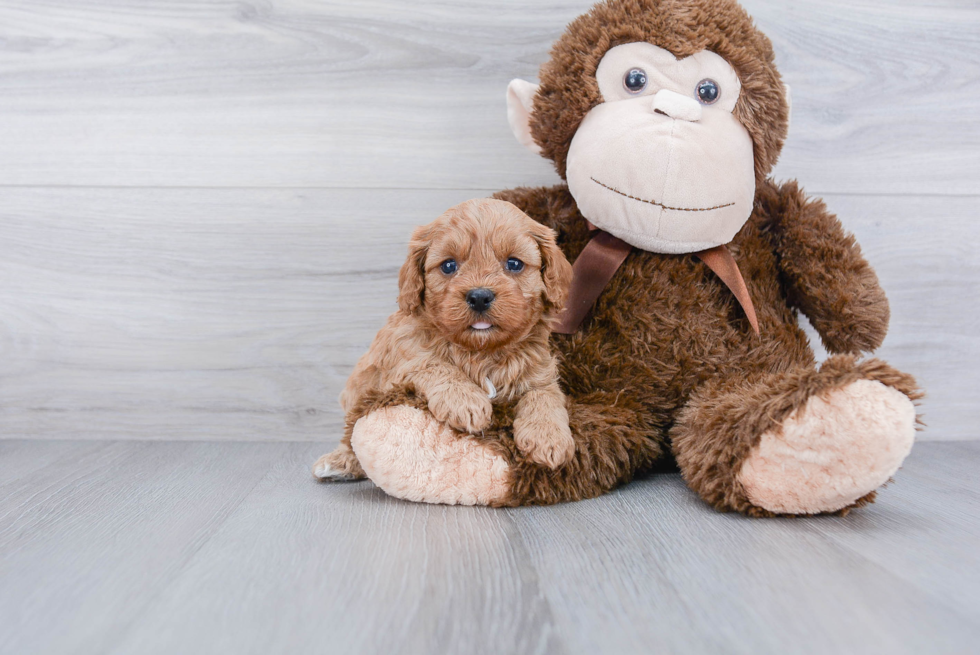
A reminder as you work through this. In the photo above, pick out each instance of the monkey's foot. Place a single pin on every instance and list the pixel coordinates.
(410, 455)
(832, 451)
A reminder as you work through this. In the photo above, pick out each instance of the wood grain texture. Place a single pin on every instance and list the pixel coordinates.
(88, 540)
(173, 547)
(194, 314)
(393, 94)
(238, 314)
(705, 580)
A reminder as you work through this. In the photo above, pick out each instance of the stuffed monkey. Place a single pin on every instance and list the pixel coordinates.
(680, 339)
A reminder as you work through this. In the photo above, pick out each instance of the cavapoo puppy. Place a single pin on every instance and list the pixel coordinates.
(476, 297)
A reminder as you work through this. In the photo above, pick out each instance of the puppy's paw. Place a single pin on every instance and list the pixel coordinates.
(545, 442)
(462, 408)
(339, 465)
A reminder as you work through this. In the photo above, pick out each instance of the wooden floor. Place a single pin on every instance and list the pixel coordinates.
(225, 547)
(203, 208)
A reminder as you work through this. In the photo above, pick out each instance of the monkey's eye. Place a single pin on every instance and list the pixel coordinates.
(708, 92)
(448, 267)
(515, 265)
(635, 80)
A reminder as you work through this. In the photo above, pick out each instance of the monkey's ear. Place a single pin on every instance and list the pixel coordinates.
(555, 269)
(520, 101)
(411, 277)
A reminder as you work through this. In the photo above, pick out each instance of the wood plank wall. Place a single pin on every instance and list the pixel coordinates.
(204, 203)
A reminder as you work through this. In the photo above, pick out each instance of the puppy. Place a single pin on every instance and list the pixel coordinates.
(477, 294)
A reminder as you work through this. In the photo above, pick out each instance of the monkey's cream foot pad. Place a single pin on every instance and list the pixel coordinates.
(412, 456)
(832, 451)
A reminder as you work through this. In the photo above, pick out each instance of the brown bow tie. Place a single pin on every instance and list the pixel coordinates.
(603, 256)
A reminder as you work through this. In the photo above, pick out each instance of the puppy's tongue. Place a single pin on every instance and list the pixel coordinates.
(482, 325)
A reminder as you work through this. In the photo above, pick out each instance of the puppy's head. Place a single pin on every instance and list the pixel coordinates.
(484, 274)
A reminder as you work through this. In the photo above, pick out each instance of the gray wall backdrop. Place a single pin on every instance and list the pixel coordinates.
(204, 203)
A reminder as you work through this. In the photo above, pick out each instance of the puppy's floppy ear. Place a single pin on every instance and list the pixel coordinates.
(411, 277)
(555, 269)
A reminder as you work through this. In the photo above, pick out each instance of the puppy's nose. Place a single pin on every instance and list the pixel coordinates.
(479, 300)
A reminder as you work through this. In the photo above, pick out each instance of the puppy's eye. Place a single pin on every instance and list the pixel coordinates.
(635, 80)
(514, 265)
(448, 267)
(708, 92)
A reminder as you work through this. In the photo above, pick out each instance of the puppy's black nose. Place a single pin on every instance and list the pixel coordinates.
(479, 300)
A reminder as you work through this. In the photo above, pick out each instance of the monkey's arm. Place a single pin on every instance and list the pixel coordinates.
(824, 272)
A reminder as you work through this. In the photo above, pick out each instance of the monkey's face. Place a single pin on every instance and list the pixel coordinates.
(662, 163)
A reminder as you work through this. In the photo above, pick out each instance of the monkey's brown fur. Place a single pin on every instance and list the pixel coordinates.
(429, 348)
(667, 361)
(666, 364)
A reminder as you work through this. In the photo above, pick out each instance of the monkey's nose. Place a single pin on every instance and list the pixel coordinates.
(673, 104)
(480, 299)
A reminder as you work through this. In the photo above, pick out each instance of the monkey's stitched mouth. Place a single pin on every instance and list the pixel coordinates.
(660, 204)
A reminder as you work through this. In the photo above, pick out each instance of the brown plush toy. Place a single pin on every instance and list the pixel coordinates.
(665, 119)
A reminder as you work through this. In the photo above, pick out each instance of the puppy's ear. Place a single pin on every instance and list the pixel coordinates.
(555, 269)
(411, 278)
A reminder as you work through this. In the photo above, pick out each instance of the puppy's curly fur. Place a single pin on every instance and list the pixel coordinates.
(436, 346)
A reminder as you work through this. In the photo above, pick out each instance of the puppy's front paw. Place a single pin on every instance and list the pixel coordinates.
(544, 441)
(341, 464)
(462, 408)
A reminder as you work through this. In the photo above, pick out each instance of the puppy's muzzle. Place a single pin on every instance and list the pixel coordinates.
(480, 299)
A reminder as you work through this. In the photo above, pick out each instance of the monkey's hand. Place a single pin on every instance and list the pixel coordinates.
(827, 277)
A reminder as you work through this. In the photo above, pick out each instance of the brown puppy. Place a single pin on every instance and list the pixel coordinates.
(477, 295)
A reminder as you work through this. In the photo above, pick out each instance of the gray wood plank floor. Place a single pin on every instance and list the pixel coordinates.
(195, 547)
